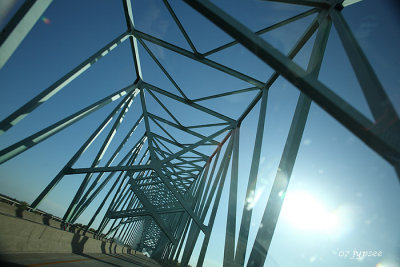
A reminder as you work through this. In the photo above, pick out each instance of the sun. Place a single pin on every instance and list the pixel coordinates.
(305, 212)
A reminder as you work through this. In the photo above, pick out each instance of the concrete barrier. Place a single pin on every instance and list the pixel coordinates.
(23, 231)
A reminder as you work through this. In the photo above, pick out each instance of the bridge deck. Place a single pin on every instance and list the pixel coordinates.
(71, 259)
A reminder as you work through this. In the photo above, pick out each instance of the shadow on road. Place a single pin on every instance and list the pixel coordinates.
(97, 259)
(9, 264)
(78, 243)
(139, 261)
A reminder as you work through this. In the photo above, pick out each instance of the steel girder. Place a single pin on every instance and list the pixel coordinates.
(165, 188)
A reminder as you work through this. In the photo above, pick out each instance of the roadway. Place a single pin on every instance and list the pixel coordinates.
(71, 259)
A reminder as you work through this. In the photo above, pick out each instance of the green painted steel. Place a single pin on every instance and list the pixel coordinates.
(162, 190)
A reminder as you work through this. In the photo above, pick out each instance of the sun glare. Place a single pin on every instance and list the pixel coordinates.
(305, 212)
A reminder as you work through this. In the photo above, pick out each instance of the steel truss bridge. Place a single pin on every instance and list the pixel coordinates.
(164, 193)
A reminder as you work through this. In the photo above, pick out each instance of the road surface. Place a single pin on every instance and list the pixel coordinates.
(70, 259)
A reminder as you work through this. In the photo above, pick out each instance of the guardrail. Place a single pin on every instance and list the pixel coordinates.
(50, 216)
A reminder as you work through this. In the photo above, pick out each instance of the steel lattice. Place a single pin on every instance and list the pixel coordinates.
(163, 189)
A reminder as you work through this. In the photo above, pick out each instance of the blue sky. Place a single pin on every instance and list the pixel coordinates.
(344, 176)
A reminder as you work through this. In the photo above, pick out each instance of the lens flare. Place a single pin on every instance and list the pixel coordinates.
(45, 20)
(387, 263)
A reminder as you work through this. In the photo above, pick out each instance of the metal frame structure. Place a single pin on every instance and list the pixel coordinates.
(165, 193)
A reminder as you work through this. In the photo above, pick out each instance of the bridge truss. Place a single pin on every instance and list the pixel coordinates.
(163, 192)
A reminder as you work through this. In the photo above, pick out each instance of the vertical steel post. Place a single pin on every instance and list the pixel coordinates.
(224, 165)
(281, 182)
(251, 186)
(229, 250)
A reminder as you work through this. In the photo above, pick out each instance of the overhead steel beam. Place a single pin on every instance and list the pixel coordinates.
(133, 42)
(379, 103)
(80, 151)
(19, 26)
(134, 168)
(292, 53)
(180, 26)
(314, 3)
(386, 144)
(98, 157)
(49, 92)
(267, 29)
(141, 212)
(162, 68)
(21, 146)
(190, 103)
(197, 57)
(182, 128)
(86, 199)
